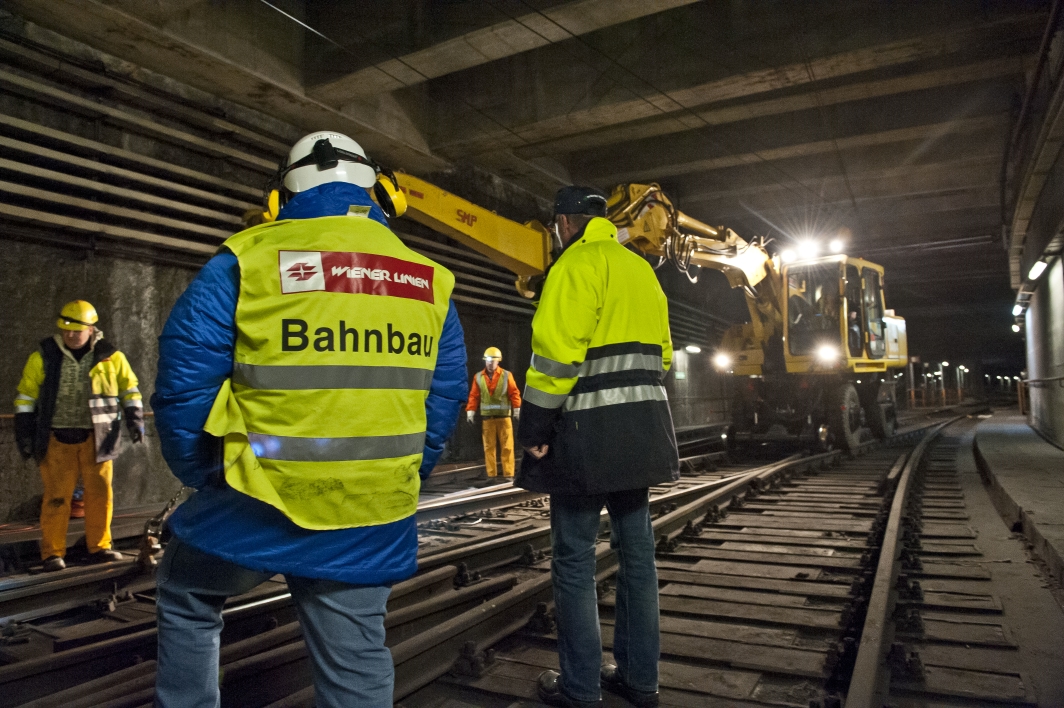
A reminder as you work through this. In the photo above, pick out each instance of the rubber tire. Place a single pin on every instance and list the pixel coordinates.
(845, 423)
(883, 420)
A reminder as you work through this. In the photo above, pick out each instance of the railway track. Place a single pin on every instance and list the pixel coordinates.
(766, 572)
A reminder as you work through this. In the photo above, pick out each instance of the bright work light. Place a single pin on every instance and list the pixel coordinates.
(827, 353)
(1036, 270)
(722, 361)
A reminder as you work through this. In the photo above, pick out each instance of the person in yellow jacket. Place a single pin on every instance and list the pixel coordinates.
(494, 393)
(597, 431)
(75, 391)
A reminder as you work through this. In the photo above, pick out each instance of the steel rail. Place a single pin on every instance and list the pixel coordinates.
(426, 657)
(870, 679)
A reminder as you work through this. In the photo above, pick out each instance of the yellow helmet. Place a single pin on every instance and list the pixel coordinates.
(493, 353)
(77, 315)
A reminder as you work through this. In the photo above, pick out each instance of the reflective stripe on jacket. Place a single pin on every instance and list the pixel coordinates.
(337, 330)
(593, 392)
(494, 404)
(113, 387)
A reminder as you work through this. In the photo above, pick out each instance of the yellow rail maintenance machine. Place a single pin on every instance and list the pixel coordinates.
(813, 365)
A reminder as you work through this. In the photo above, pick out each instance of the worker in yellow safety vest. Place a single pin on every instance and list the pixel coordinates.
(496, 395)
(308, 380)
(597, 432)
(74, 392)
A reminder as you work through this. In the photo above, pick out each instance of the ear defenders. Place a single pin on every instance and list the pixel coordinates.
(386, 191)
(389, 195)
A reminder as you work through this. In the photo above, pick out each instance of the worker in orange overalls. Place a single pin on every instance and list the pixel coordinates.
(496, 395)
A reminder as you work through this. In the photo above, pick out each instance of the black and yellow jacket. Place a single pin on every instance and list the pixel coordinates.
(593, 393)
(113, 386)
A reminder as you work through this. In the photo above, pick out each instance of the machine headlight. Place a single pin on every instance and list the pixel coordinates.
(722, 361)
(827, 354)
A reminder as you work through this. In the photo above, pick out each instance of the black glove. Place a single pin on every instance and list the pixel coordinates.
(25, 429)
(135, 423)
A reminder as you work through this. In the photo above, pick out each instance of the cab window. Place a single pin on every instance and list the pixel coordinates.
(812, 307)
(873, 312)
(854, 310)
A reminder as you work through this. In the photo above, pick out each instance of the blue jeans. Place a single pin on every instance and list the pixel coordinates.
(343, 626)
(574, 523)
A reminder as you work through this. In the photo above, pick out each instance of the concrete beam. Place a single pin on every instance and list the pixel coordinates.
(859, 91)
(501, 40)
(678, 103)
(225, 63)
(877, 229)
(928, 132)
(968, 172)
(885, 207)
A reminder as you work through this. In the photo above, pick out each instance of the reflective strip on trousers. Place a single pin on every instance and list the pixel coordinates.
(103, 402)
(621, 362)
(296, 378)
(25, 404)
(544, 399)
(280, 447)
(615, 396)
(554, 368)
(104, 417)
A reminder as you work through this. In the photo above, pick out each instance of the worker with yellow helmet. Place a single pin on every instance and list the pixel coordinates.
(496, 395)
(75, 391)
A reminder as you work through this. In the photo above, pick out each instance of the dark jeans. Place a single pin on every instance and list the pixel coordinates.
(574, 522)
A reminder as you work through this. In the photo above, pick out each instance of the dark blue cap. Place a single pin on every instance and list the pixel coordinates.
(580, 200)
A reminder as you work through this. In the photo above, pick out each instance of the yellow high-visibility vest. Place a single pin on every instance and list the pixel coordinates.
(494, 405)
(338, 325)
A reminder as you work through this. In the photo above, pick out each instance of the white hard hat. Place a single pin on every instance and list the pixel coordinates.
(322, 171)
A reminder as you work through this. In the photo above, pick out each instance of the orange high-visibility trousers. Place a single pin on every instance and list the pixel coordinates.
(501, 430)
(60, 469)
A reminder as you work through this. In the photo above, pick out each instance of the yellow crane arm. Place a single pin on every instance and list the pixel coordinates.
(522, 248)
(649, 221)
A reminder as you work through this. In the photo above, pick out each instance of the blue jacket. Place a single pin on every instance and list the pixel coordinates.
(196, 356)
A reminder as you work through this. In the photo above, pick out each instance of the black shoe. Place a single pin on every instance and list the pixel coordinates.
(550, 692)
(107, 555)
(53, 564)
(612, 682)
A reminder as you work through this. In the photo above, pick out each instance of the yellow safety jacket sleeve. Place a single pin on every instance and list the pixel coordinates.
(29, 386)
(128, 385)
(562, 329)
(666, 341)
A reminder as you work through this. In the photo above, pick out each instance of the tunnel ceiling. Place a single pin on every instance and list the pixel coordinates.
(882, 122)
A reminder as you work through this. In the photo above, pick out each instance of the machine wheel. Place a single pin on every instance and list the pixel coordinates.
(845, 416)
(882, 419)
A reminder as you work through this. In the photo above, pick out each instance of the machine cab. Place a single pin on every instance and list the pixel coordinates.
(835, 318)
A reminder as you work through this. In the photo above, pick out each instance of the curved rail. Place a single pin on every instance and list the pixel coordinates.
(871, 678)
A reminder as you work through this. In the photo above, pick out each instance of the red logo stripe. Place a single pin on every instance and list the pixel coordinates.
(371, 274)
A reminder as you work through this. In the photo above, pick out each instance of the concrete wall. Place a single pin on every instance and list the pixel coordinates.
(1045, 353)
(133, 299)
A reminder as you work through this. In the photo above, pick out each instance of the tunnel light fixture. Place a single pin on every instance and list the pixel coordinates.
(835, 246)
(722, 361)
(827, 354)
(945, 363)
(1015, 328)
(692, 349)
(1036, 270)
(1017, 310)
(787, 255)
(1015, 378)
